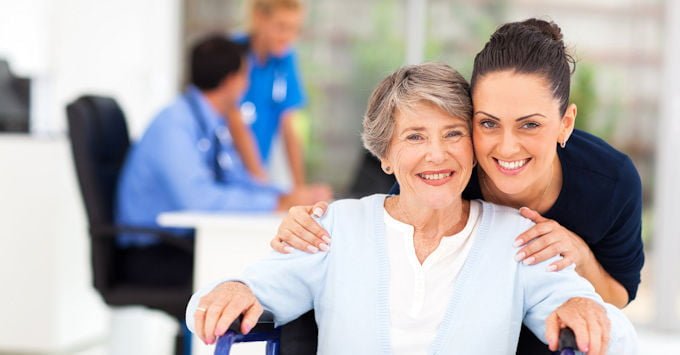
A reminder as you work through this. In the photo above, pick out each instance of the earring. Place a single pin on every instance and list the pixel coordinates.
(563, 144)
(387, 169)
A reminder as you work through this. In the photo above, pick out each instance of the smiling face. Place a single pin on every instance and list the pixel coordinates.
(431, 156)
(516, 127)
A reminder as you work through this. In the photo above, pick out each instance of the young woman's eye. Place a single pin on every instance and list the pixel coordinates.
(530, 125)
(487, 124)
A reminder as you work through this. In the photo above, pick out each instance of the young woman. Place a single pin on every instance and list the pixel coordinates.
(584, 196)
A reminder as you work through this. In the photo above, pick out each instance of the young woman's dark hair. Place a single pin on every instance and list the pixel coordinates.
(532, 46)
(213, 58)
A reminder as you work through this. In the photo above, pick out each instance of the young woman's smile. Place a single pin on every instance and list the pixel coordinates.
(512, 167)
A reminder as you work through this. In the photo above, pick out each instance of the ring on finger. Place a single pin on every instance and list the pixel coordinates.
(200, 309)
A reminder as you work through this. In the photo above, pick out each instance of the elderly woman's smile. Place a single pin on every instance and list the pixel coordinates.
(436, 178)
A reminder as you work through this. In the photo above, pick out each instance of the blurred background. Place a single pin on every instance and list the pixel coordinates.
(625, 86)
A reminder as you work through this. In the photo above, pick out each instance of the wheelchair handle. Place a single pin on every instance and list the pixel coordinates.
(567, 343)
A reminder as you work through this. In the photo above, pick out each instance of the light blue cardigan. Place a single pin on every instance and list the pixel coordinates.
(348, 287)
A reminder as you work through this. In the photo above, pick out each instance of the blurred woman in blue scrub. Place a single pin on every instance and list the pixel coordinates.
(275, 92)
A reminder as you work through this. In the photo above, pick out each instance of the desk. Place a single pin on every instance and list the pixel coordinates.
(225, 245)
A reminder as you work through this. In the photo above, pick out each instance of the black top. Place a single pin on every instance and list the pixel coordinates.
(600, 201)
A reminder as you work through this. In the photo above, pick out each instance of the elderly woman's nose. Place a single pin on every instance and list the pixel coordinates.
(436, 151)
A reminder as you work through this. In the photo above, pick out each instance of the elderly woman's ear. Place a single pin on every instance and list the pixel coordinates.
(386, 168)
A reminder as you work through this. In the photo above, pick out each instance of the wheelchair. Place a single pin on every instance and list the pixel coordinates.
(265, 330)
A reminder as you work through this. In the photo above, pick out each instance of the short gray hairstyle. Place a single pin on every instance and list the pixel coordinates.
(434, 83)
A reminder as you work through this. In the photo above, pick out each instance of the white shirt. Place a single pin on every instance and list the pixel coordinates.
(420, 294)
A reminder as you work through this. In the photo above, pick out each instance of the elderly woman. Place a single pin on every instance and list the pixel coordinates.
(423, 272)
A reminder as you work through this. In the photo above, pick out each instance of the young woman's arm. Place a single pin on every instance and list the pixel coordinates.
(549, 238)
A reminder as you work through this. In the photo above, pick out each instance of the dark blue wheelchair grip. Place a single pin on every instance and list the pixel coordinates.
(567, 342)
(264, 324)
(264, 330)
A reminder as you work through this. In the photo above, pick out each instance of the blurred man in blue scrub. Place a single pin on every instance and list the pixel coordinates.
(275, 92)
(186, 160)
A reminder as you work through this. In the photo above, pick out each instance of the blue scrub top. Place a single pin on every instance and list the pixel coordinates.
(275, 88)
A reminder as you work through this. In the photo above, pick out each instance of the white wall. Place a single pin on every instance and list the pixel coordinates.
(125, 48)
(666, 208)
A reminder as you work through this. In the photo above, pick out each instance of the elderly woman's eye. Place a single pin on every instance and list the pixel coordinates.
(414, 137)
(454, 134)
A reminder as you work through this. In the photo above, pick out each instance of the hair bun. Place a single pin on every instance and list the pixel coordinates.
(548, 28)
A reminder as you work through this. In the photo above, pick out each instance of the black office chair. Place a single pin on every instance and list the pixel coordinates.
(15, 100)
(99, 142)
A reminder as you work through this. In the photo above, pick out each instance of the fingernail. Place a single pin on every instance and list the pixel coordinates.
(247, 327)
(324, 247)
(528, 261)
(552, 268)
(519, 256)
(288, 249)
(517, 243)
(317, 212)
(326, 239)
(312, 249)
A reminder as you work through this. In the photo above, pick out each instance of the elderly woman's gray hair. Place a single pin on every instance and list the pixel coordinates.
(433, 83)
